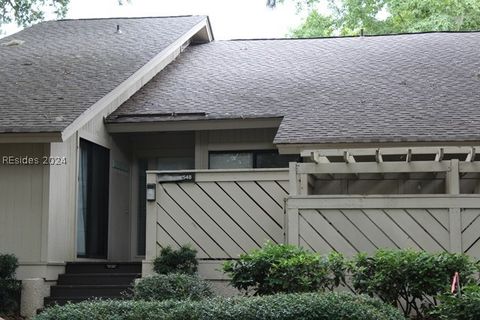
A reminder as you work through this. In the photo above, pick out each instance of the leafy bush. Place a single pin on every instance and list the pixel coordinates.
(409, 275)
(8, 266)
(9, 287)
(172, 286)
(182, 260)
(285, 268)
(463, 307)
(307, 306)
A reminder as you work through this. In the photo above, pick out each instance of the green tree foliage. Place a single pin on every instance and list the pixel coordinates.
(348, 17)
(26, 12)
(315, 25)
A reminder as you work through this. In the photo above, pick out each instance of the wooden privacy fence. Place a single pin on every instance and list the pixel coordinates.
(222, 213)
(350, 224)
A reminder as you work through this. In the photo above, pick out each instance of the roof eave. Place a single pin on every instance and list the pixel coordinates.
(31, 137)
(194, 125)
(296, 148)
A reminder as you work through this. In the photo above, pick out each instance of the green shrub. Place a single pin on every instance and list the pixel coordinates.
(307, 306)
(8, 266)
(463, 307)
(285, 268)
(172, 286)
(410, 276)
(182, 260)
(9, 287)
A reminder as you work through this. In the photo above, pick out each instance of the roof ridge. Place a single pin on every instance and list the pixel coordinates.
(358, 36)
(143, 17)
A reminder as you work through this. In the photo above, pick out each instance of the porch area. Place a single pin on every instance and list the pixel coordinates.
(348, 200)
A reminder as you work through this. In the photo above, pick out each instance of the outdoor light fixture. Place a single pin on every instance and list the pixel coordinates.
(151, 191)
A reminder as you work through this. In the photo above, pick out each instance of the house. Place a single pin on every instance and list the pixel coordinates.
(387, 128)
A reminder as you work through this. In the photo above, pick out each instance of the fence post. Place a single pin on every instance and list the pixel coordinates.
(291, 217)
(452, 184)
(293, 177)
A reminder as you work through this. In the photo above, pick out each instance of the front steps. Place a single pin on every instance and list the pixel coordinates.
(87, 280)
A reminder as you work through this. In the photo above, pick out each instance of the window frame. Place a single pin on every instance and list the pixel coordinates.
(253, 152)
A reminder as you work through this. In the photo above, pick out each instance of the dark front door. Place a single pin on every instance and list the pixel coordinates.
(93, 193)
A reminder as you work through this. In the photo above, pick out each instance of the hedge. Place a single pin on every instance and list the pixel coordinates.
(307, 306)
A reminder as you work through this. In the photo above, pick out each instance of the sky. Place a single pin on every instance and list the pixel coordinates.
(230, 19)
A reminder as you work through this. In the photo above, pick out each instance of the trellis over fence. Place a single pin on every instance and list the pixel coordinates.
(351, 223)
(224, 213)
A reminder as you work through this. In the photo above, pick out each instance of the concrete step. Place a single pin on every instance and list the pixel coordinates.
(103, 267)
(97, 278)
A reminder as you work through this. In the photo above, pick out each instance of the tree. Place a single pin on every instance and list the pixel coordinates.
(26, 12)
(315, 25)
(349, 17)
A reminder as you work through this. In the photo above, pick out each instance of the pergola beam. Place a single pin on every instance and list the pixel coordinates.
(378, 156)
(471, 155)
(439, 155)
(390, 151)
(322, 161)
(317, 158)
(408, 158)
(372, 167)
(348, 158)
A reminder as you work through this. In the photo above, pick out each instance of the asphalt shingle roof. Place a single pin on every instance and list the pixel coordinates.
(420, 87)
(64, 67)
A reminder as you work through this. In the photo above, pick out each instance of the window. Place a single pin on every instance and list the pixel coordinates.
(271, 159)
(175, 163)
(142, 206)
(231, 160)
(249, 159)
(92, 210)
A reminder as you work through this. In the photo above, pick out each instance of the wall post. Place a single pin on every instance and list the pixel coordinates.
(151, 228)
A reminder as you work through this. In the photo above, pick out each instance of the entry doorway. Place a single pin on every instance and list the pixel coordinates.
(93, 194)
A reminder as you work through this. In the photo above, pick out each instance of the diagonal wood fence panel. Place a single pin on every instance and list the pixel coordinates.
(471, 232)
(220, 213)
(352, 224)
